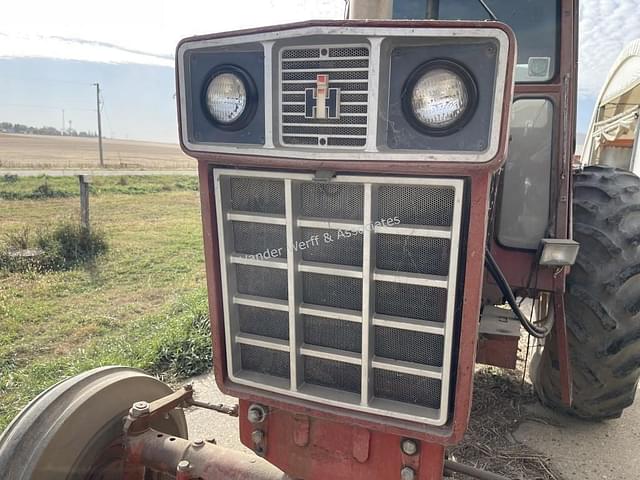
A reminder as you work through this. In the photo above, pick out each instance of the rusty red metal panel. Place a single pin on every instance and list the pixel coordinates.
(497, 350)
(339, 451)
(301, 430)
(212, 267)
(560, 326)
(165, 454)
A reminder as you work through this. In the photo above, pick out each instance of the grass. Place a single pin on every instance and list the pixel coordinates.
(44, 188)
(64, 246)
(142, 303)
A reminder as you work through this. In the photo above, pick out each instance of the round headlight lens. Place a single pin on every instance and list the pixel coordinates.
(439, 98)
(226, 98)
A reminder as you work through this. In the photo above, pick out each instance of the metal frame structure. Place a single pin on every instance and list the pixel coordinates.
(294, 264)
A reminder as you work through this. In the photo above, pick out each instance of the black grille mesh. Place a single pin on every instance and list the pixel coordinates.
(405, 388)
(413, 301)
(340, 249)
(347, 68)
(257, 238)
(332, 291)
(261, 281)
(417, 205)
(262, 321)
(417, 347)
(257, 195)
(300, 140)
(265, 361)
(407, 253)
(305, 64)
(346, 142)
(327, 332)
(331, 200)
(328, 373)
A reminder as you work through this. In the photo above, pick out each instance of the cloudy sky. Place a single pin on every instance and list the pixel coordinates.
(123, 34)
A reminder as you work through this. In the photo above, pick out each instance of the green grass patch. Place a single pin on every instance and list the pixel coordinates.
(172, 344)
(43, 187)
(64, 246)
(142, 304)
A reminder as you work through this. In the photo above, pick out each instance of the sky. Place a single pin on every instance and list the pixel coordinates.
(52, 52)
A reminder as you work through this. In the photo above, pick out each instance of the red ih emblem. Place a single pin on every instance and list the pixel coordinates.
(322, 102)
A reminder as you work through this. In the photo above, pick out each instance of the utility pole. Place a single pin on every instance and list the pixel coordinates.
(62, 131)
(97, 85)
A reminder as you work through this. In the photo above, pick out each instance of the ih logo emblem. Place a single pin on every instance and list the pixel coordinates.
(322, 102)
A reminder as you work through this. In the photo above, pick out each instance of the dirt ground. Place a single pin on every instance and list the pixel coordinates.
(41, 151)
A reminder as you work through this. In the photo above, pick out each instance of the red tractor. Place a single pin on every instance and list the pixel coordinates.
(377, 194)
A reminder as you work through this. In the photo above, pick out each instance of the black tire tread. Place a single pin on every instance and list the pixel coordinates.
(603, 299)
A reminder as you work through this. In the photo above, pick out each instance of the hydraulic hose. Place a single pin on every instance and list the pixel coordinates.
(537, 331)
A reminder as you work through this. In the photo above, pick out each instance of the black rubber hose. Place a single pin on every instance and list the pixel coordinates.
(534, 330)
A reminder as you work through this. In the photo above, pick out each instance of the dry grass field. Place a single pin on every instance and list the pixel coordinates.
(40, 151)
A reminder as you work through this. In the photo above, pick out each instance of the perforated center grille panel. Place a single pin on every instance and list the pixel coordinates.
(335, 119)
(343, 292)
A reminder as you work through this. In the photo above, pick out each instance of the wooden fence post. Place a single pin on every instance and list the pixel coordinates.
(84, 180)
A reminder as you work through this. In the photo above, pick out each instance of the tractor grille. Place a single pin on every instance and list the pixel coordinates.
(341, 292)
(347, 68)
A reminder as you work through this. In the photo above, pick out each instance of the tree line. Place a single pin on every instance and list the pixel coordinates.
(7, 127)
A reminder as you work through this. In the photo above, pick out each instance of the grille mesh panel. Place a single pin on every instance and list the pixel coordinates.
(341, 250)
(416, 347)
(321, 276)
(347, 68)
(265, 361)
(262, 321)
(405, 388)
(325, 200)
(412, 301)
(406, 253)
(417, 205)
(332, 291)
(257, 195)
(261, 281)
(257, 238)
(327, 332)
(328, 373)
(346, 142)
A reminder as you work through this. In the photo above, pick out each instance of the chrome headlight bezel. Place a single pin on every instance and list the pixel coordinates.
(414, 78)
(251, 102)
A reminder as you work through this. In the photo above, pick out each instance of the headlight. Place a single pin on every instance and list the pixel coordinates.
(226, 98)
(440, 97)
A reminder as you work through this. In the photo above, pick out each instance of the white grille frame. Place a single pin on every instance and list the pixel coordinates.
(365, 401)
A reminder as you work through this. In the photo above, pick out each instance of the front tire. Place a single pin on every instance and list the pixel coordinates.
(73, 430)
(602, 300)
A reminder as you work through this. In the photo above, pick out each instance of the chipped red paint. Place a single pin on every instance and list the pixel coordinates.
(338, 450)
(497, 350)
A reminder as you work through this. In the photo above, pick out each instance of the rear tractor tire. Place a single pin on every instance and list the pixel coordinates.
(73, 430)
(602, 301)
